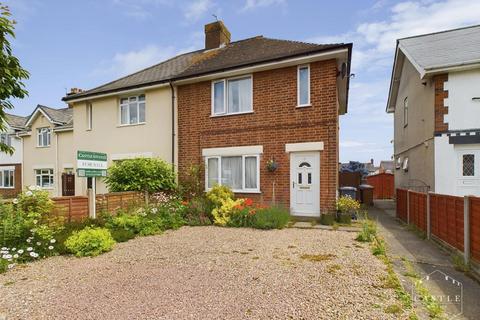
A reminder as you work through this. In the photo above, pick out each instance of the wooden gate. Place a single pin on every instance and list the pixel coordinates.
(68, 184)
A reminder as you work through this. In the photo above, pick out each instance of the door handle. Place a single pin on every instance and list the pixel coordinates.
(293, 184)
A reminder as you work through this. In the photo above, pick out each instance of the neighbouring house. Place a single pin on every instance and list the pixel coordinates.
(232, 107)
(435, 98)
(386, 166)
(11, 165)
(48, 159)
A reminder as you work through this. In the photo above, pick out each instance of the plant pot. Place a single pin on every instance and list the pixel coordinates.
(327, 219)
(344, 218)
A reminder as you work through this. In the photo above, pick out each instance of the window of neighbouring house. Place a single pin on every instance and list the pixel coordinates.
(231, 96)
(405, 112)
(44, 178)
(468, 165)
(5, 138)
(240, 173)
(303, 86)
(44, 137)
(7, 178)
(89, 116)
(132, 110)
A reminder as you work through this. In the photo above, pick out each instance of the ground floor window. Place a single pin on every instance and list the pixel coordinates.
(7, 177)
(241, 173)
(44, 178)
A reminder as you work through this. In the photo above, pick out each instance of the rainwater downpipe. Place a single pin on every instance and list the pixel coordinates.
(173, 123)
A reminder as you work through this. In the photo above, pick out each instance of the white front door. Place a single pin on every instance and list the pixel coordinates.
(468, 172)
(305, 184)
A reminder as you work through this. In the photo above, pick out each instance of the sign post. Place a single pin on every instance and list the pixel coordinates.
(91, 165)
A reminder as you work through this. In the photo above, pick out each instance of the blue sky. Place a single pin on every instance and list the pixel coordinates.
(86, 43)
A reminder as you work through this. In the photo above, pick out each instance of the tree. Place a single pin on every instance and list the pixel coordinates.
(11, 73)
(141, 174)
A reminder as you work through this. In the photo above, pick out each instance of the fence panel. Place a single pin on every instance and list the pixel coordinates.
(418, 209)
(446, 215)
(402, 204)
(112, 202)
(475, 228)
(71, 208)
(383, 185)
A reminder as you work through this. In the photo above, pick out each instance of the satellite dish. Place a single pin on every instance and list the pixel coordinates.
(343, 70)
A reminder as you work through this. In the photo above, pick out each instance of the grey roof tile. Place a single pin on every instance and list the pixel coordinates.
(16, 121)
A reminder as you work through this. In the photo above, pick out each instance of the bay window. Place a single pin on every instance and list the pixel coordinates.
(232, 96)
(132, 110)
(240, 173)
(7, 178)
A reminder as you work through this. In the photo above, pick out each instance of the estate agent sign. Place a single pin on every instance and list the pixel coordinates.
(91, 164)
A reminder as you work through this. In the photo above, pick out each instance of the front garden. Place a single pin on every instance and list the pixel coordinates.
(30, 229)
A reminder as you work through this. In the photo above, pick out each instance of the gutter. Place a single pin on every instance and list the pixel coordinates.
(173, 122)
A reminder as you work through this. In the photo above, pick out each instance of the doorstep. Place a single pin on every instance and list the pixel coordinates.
(309, 225)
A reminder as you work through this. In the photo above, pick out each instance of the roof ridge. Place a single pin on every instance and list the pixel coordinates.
(439, 32)
(304, 42)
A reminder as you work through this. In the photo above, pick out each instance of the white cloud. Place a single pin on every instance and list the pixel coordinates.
(253, 4)
(125, 63)
(196, 9)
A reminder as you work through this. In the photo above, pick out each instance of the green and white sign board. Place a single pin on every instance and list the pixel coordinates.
(91, 164)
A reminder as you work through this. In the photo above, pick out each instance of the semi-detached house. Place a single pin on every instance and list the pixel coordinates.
(237, 108)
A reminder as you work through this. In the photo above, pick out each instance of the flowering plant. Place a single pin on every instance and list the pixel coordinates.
(272, 165)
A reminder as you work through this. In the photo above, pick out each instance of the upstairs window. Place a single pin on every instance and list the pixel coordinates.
(232, 96)
(132, 110)
(468, 165)
(7, 178)
(89, 116)
(405, 112)
(44, 137)
(303, 86)
(5, 138)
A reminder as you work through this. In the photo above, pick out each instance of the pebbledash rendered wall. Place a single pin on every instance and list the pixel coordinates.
(275, 121)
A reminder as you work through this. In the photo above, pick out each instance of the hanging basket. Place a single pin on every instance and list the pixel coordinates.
(272, 165)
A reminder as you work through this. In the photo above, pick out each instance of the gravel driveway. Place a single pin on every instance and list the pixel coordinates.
(206, 273)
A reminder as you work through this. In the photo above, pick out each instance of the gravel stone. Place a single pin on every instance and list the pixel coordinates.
(206, 273)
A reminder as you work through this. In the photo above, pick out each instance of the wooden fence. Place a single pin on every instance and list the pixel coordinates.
(383, 185)
(443, 217)
(75, 208)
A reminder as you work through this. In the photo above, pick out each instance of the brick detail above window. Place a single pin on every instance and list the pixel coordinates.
(440, 108)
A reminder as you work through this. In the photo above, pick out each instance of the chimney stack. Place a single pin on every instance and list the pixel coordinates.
(371, 161)
(216, 35)
(74, 91)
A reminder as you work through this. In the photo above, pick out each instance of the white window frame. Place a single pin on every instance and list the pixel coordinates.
(89, 111)
(2, 176)
(50, 174)
(225, 96)
(405, 112)
(40, 132)
(308, 104)
(244, 189)
(120, 105)
(6, 139)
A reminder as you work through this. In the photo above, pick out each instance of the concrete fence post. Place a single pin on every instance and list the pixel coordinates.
(466, 229)
(429, 224)
(408, 206)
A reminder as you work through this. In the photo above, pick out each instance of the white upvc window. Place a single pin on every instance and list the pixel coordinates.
(44, 178)
(232, 96)
(240, 173)
(7, 178)
(132, 110)
(89, 116)
(303, 86)
(44, 137)
(5, 138)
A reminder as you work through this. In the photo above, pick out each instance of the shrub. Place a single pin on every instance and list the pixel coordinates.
(270, 218)
(219, 194)
(327, 219)
(141, 174)
(122, 235)
(128, 222)
(3, 265)
(90, 242)
(198, 211)
(222, 214)
(12, 226)
(368, 232)
(192, 182)
(346, 204)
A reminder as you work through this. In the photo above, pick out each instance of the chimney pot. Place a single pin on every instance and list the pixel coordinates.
(216, 35)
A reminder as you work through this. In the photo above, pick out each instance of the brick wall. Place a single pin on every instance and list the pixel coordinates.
(440, 109)
(275, 122)
(10, 193)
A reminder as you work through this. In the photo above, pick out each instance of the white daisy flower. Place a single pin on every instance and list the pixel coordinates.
(29, 240)
(15, 256)
(28, 193)
(53, 240)
(39, 243)
(4, 248)
(50, 247)
(32, 188)
(15, 201)
(20, 251)
(14, 249)
(29, 249)
(10, 266)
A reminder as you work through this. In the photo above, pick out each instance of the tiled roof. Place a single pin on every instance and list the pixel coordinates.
(16, 121)
(236, 54)
(62, 116)
(442, 49)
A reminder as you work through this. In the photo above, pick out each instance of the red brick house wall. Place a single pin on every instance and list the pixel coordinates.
(10, 193)
(274, 122)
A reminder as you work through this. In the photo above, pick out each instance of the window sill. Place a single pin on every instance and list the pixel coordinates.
(42, 147)
(131, 125)
(230, 114)
(247, 191)
(303, 106)
(7, 188)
